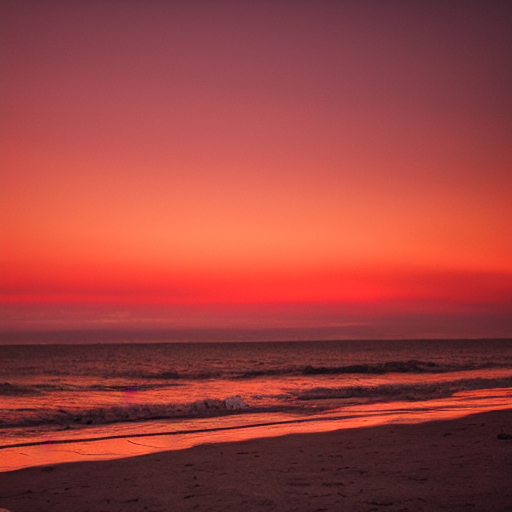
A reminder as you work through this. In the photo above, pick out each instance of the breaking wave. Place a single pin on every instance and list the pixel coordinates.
(410, 366)
(111, 379)
(123, 413)
(152, 380)
(378, 368)
(8, 389)
(422, 391)
(301, 401)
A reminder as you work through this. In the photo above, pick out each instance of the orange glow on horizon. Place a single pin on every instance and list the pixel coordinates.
(362, 287)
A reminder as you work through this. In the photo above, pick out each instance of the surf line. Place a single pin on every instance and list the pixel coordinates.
(184, 432)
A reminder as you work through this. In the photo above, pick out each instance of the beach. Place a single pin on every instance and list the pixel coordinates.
(457, 465)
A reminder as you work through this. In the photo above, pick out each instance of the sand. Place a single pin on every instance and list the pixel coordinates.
(457, 465)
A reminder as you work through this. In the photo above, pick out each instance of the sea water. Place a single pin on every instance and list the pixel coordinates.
(134, 393)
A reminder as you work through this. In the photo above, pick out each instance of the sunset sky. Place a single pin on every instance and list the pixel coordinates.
(257, 164)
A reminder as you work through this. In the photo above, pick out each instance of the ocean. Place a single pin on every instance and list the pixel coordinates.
(133, 394)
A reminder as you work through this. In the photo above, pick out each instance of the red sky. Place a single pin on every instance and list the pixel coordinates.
(257, 163)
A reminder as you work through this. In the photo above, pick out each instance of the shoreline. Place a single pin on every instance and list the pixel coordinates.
(135, 439)
(457, 464)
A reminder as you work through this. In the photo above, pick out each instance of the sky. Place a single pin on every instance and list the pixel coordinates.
(263, 163)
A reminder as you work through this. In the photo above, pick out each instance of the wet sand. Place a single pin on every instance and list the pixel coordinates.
(456, 465)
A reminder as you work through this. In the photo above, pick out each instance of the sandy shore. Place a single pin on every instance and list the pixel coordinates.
(457, 465)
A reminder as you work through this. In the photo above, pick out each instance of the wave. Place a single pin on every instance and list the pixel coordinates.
(123, 413)
(166, 378)
(144, 379)
(299, 401)
(8, 389)
(396, 392)
(409, 366)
